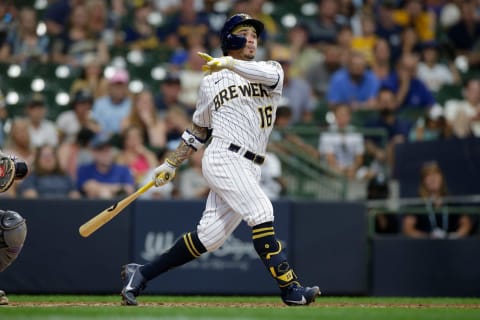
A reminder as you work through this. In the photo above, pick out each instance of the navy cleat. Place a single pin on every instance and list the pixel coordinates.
(296, 295)
(133, 283)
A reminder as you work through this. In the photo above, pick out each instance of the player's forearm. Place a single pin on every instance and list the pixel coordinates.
(184, 150)
(264, 73)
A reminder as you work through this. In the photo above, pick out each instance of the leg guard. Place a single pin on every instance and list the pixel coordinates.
(186, 248)
(13, 231)
(273, 257)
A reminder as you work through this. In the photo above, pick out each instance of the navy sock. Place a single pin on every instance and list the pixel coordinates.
(185, 249)
(272, 255)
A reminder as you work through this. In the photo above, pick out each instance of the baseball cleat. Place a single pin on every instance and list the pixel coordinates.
(133, 283)
(296, 295)
(3, 298)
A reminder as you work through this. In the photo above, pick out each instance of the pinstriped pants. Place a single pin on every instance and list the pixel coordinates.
(235, 194)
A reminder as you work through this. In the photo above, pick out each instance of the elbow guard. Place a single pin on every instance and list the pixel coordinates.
(192, 141)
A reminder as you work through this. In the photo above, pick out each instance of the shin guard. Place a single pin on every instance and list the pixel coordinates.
(273, 257)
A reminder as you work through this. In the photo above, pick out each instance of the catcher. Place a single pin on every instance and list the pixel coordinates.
(13, 228)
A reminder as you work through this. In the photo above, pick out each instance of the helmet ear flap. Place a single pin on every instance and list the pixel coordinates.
(235, 42)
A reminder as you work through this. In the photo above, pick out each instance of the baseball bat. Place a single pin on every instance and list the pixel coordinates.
(108, 214)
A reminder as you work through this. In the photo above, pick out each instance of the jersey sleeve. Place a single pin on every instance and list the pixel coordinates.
(202, 116)
(269, 73)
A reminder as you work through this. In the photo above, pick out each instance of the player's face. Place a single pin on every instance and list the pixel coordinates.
(247, 52)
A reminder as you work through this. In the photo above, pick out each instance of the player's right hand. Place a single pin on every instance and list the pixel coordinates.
(164, 173)
(216, 64)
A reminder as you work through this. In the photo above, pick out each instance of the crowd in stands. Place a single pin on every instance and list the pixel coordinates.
(407, 67)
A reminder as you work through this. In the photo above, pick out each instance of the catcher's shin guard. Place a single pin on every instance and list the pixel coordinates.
(270, 251)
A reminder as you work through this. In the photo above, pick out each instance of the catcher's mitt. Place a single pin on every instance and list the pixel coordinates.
(7, 173)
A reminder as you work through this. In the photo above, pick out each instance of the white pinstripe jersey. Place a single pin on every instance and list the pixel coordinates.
(238, 109)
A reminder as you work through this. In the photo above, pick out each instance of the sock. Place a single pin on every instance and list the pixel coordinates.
(185, 249)
(272, 255)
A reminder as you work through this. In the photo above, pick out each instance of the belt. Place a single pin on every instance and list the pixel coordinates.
(248, 154)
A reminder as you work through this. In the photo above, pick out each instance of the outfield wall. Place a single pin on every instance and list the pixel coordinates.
(326, 242)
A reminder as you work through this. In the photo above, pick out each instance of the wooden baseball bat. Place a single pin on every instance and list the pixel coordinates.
(106, 215)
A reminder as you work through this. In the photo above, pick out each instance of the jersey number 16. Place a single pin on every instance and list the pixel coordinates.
(266, 116)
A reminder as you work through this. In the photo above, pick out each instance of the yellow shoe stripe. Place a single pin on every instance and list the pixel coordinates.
(258, 236)
(262, 229)
(193, 245)
(188, 246)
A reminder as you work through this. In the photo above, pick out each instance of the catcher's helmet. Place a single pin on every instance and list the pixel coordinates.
(233, 42)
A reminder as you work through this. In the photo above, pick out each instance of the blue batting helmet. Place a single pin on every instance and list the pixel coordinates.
(233, 42)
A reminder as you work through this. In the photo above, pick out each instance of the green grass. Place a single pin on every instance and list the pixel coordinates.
(33, 307)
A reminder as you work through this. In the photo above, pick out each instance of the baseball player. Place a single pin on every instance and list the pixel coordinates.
(13, 228)
(238, 98)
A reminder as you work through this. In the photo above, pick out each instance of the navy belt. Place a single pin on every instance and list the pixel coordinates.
(249, 155)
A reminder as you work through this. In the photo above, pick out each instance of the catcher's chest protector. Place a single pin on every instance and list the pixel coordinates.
(13, 231)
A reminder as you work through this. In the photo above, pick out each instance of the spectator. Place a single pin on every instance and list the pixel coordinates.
(298, 93)
(438, 222)
(57, 14)
(415, 13)
(19, 145)
(42, 131)
(185, 26)
(24, 46)
(110, 110)
(464, 34)
(396, 129)
(104, 178)
(319, 74)
(463, 116)
(433, 73)
(430, 126)
(365, 42)
(409, 42)
(77, 41)
(71, 121)
(190, 77)
(19, 142)
(353, 85)
(134, 154)
(73, 154)
(192, 184)
(388, 29)
(176, 121)
(7, 20)
(303, 55)
(342, 146)
(381, 66)
(140, 34)
(47, 179)
(271, 179)
(327, 23)
(144, 116)
(169, 94)
(282, 136)
(410, 92)
(378, 189)
(91, 77)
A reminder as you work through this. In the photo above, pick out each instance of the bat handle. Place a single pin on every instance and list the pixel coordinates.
(145, 187)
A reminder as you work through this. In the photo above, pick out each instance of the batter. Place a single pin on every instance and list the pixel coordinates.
(238, 99)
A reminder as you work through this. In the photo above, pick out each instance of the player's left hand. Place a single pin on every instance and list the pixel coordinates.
(164, 173)
(216, 64)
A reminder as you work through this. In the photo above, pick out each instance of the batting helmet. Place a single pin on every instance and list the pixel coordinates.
(233, 42)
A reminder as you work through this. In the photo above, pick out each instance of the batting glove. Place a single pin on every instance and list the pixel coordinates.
(164, 173)
(216, 64)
